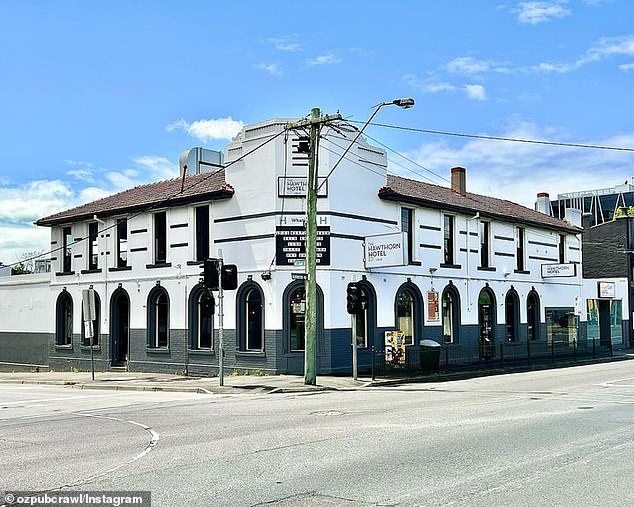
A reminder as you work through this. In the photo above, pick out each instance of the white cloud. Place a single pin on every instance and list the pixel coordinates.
(15, 241)
(604, 48)
(208, 130)
(26, 203)
(475, 91)
(21, 205)
(517, 171)
(285, 44)
(327, 59)
(270, 68)
(539, 12)
(81, 174)
(430, 85)
(469, 66)
(627, 67)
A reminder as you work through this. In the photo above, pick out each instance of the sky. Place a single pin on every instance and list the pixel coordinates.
(100, 96)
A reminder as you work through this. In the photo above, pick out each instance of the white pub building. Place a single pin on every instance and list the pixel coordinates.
(436, 263)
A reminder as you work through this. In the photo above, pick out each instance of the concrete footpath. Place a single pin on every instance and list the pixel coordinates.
(134, 381)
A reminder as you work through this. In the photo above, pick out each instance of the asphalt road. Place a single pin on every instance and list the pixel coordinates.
(554, 438)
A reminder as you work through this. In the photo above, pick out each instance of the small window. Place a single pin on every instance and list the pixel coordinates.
(519, 248)
(202, 233)
(485, 228)
(158, 318)
(408, 226)
(67, 239)
(562, 248)
(122, 243)
(64, 317)
(93, 245)
(160, 238)
(449, 239)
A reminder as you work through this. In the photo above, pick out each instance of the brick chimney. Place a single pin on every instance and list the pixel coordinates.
(543, 203)
(459, 180)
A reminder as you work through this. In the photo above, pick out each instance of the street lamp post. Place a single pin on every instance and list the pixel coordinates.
(310, 320)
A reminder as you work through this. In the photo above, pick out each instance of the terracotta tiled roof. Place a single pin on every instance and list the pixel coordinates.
(198, 187)
(436, 196)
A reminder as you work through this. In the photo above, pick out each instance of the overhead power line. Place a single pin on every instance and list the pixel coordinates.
(500, 138)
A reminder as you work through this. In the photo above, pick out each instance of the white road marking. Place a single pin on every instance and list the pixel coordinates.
(152, 443)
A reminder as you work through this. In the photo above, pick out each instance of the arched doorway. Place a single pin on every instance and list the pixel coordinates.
(512, 315)
(486, 321)
(119, 327)
(532, 315)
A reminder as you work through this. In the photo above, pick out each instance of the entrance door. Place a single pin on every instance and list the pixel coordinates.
(486, 320)
(605, 333)
(119, 327)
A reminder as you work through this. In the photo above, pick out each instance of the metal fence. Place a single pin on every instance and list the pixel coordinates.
(452, 358)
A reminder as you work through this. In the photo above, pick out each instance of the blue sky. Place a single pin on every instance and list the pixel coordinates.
(99, 96)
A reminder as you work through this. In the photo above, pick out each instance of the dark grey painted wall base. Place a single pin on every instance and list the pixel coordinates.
(24, 348)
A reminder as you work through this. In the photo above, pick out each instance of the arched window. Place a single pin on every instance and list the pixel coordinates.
(201, 318)
(294, 316)
(532, 315)
(486, 315)
(450, 314)
(96, 328)
(512, 314)
(64, 319)
(250, 317)
(409, 313)
(158, 308)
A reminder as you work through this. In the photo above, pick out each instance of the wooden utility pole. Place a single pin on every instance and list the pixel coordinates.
(310, 320)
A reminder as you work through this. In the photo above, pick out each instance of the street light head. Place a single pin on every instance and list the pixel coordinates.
(405, 103)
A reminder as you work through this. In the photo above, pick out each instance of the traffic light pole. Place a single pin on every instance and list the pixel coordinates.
(310, 321)
(355, 350)
(221, 349)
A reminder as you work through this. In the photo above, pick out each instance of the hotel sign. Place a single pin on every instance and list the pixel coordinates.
(559, 270)
(296, 186)
(384, 250)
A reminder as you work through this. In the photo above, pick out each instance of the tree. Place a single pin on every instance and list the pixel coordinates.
(26, 262)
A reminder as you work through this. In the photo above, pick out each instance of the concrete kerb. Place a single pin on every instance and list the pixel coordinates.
(293, 384)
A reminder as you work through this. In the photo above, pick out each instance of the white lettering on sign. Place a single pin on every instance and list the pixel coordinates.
(384, 250)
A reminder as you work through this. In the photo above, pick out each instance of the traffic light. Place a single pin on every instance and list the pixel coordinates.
(229, 276)
(210, 274)
(212, 280)
(354, 298)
